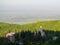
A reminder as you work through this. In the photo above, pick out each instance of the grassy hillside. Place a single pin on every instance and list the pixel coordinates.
(47, 25)
(5, 27)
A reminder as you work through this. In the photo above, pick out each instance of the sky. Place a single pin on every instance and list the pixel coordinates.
(28, 10)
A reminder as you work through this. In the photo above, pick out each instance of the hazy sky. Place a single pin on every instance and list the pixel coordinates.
(29, 9)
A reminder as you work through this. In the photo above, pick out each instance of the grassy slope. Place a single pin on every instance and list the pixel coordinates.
(47, 25)
(5, 27)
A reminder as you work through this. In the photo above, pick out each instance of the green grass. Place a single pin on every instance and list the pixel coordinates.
(47, 25)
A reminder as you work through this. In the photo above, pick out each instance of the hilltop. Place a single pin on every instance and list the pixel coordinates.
(47, 25)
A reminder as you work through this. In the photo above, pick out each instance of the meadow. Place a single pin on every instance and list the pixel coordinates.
(51, 28)
(52, 25)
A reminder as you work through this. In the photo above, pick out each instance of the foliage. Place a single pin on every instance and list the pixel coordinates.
(53, 25)
(30, 38)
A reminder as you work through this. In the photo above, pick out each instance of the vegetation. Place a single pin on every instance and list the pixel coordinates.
(26, 32)
(53, 25)
(47, 25)
(32, 38)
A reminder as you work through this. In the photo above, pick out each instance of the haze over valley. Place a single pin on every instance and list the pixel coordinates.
(26, 11)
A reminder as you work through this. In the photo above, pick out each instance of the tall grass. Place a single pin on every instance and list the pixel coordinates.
(47, 25)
